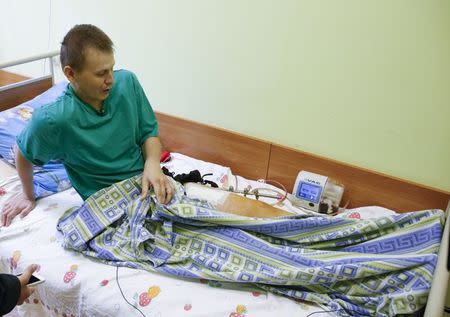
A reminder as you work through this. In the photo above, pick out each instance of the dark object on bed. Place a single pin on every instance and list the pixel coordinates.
(192, 177)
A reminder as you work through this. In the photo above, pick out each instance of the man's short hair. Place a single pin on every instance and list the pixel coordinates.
(78, 40)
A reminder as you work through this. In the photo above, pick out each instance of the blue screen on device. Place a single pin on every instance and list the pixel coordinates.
(309, 192)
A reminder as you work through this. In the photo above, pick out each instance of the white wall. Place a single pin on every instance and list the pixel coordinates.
(24, 31)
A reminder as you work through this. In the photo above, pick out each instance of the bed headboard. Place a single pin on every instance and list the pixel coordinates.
(254, 159)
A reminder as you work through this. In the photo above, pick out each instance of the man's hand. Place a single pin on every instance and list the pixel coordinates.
(26, 291)
(153, 176)
(16, 205)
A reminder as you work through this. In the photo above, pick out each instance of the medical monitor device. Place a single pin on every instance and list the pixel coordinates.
(317, 192)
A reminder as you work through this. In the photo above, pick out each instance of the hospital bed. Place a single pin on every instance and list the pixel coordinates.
(77, 286)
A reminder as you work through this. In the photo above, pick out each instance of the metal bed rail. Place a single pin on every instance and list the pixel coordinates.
(20, 61)
(439, 296)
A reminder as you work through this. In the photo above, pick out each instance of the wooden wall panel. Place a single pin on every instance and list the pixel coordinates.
(7, 78)
(362, 187)
(18, 95)
(245, 156)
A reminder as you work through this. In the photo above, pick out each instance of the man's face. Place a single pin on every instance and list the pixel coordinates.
(94, 81)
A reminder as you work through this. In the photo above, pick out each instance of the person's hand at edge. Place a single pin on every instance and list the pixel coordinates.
(25, 290)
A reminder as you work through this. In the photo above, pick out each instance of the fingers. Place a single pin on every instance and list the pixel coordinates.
(160, 190)
(8, 215)
(3, 218)
(162, 187)
(26, 210)
(165, 191)
(30, 290)
(169, 191)
(26, 275)
(25, 290)
(10, 212)
(25, 293)
(6, 209)
(14, 206)
(145, 185)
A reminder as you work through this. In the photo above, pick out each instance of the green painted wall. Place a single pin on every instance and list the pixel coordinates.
(364, 82)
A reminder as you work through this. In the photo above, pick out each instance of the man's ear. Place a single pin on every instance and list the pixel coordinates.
(69, 72)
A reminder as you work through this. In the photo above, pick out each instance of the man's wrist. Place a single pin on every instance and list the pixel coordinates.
(151, 162)
(30, 196)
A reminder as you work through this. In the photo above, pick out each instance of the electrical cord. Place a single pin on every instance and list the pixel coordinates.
(280, 197)
(121, 292)
(323, 311)
(329, 311)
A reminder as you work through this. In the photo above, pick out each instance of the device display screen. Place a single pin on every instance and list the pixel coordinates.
(33, 279)
(309, 192)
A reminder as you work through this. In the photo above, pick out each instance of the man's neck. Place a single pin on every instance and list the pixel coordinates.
(96, 104)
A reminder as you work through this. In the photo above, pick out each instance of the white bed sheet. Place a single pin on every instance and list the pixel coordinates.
(92, 289)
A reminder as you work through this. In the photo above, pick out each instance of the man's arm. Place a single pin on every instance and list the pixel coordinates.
(24, 202)
(153, 176)
(25, 171)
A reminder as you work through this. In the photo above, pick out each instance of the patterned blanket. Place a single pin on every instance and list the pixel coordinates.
(372, 267)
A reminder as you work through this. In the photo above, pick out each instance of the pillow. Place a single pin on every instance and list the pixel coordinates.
(50, 178)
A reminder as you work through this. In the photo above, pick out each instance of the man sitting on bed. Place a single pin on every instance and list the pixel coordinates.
(102, 127)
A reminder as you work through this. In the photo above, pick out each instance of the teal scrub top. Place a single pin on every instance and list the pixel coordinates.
(97, 149)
